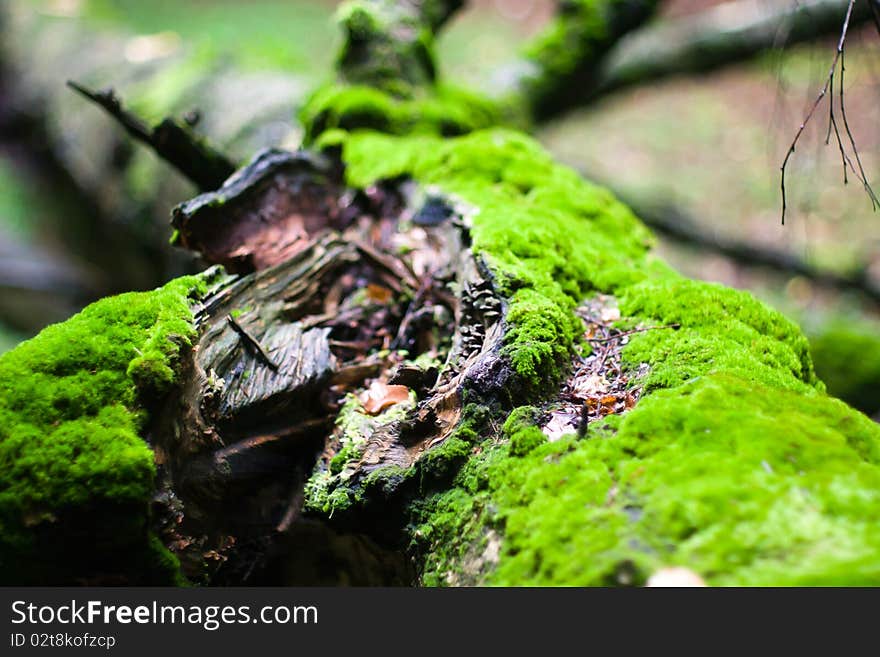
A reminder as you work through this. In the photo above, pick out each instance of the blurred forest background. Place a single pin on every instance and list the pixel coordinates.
(84, 211)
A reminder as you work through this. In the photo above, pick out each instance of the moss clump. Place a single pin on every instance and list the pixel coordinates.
(847, 358)
(521, 431)
(525, 440)
(442, 111)
(71, 458)
(719, 330)
(522, 417)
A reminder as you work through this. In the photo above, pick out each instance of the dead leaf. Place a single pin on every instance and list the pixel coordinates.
(560, 424)
(590, 386)
(381, 396)
(379, 294)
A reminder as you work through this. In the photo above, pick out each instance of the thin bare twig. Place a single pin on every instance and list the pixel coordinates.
(852, 141)
(252, 343)
(828, 89)
(832, 124)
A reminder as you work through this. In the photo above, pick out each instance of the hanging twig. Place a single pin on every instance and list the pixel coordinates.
(828, 89)
(852, 141)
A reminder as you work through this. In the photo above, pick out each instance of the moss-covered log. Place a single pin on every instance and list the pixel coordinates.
(433, 359)
(727, 457)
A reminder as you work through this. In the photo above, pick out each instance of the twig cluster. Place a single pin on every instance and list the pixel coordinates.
(839, 62)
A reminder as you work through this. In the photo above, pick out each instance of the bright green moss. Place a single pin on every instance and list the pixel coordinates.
(721, 330)
(69, 432)
(444, 111)
(742, 483)
(521, 431)
(520, 418)
(526, 440)
(847, 358)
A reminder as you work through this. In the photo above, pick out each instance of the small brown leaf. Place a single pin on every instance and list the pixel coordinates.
(379, 294)
(381, 396)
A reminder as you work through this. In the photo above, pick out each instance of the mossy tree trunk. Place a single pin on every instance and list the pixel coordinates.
(432, 355)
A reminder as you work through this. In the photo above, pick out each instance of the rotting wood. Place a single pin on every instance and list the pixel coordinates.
(335, 293)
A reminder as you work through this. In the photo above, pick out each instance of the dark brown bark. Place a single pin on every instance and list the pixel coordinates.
(286, 340)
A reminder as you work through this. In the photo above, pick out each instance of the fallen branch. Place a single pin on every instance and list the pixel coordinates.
(172, 141)
(676, 224)
(726, 34)
(561, 66)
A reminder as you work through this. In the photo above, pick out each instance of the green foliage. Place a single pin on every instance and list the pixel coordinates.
(69, 432)
(847, 358)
